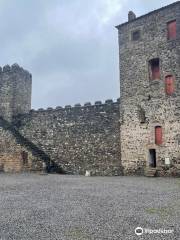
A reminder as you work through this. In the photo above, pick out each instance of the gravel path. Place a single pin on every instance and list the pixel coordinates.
(81, 208)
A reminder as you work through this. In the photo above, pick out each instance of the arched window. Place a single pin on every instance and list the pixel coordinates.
(158, 135)
(169, 84)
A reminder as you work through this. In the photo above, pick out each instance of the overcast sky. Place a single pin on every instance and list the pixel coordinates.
(69, 46)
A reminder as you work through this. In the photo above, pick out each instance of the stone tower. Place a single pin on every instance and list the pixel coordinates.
(15, 91)
(149, 52)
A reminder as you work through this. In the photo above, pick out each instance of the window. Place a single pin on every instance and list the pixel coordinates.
(136, 35)
(158, 135)
(169, 84)
(154, 69)
(24, 156)
(142, 115)
(171, 30)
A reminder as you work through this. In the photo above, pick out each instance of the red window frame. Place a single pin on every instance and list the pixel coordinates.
(169, 84)
(158, 135)
(171, 30)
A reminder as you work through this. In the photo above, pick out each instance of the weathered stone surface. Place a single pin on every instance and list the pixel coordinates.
(15, 91)
(70, 139)
(77, 138)
(11, 155)
(145, 99)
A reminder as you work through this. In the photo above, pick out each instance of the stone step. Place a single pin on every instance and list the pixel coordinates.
(150, 172)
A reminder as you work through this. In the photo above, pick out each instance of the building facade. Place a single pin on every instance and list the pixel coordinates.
(149, 52)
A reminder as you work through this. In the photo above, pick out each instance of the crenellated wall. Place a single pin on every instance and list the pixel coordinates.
(77, 138)
(69, 139)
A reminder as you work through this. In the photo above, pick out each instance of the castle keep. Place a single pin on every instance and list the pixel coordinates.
(149, 51)
(137, 134)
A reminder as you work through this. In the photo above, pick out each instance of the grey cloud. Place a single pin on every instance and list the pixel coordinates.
(69, 46)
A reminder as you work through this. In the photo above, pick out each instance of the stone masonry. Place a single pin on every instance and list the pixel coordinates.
(15, 91)
(137, 134)
(77, 138)
(145, 103)
(67, 140)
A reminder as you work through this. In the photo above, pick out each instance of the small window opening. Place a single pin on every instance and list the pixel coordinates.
(169, 84)
(136, 35)
(158, 135)
(24, 156)
(154, 69)
(171, 30)
(152, 158)
(142, 115)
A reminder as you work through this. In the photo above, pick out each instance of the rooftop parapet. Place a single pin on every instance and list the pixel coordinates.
(98, 103)
(77, 106)
(87, 104)
(14, 68)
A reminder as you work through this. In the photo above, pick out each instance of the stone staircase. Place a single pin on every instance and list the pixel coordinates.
(30, 146)
(150, 172)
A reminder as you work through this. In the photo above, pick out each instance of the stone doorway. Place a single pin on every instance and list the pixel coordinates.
(152, 158)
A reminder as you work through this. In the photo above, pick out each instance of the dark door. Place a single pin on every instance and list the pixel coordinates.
(152, 158)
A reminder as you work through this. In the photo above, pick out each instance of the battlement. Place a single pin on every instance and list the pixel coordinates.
(15, 91)
(78, 106)
(13, 68)
(77, 138)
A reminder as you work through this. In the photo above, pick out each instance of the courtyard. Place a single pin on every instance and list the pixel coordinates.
(34, 206)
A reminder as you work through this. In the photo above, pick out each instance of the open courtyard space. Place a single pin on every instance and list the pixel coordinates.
(34, 206)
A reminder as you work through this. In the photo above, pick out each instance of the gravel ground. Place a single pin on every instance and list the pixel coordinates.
(82, 208)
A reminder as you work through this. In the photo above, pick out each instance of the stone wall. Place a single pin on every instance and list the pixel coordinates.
(77, 138)
(142, 96)
(15, 91)
(14, 157)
